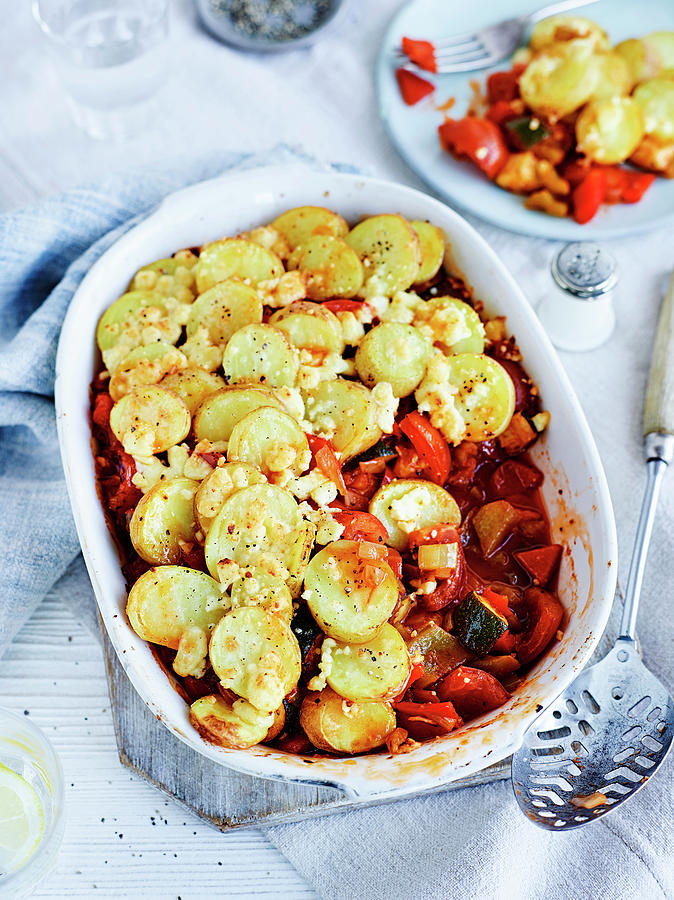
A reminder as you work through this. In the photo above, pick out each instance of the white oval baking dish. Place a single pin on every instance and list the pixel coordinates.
(575, 486)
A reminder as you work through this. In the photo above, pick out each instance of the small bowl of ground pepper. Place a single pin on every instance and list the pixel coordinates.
(268, 25)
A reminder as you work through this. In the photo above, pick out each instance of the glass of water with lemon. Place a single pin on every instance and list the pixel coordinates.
(31, 805)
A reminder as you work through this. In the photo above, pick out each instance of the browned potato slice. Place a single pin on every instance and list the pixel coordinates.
(332, 723)
(223, 309)
(345, 410)
(557, 29)
(220, 411)
(235, 724)
(332, 267)
(432, 242)
(390, 252)
(609, 131)
(301, 223)
(560, 79)
(310, 326)
(193, 385)
(236, 258)
(163, 522)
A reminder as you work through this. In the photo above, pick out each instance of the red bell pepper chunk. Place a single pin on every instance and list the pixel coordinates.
(544, 615)
(588, 196)
(413, 87)
(615, 184)
(435, 534)
(421, 53)
(343, 305)
(472, 691)
(635, 185)
(498, 601)
(500, 112)
(505, 644)
(361, 526)
(541, 563)
(430, 444)
(514, 477)
(504, 85)
(395, 561)
(576, 170)
(326, 460)
(476, 139)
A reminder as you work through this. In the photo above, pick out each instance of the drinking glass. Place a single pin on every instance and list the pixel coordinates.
(25, 751)
(111, 57)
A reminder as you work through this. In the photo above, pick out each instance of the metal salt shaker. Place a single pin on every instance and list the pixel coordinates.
(578, 312)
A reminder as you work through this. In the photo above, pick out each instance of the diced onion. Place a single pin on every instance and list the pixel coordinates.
(438, 556)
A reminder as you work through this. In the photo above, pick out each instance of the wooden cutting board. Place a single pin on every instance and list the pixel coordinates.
(225, 798)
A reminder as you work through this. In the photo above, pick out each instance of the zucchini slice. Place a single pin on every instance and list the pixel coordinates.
(218, 486)
(407, 504)
(485, 394)
(432, 243)
(395, 353)
(167, 600)
(390, 252)
(377, 670)
(333, 268)
(163, 521)
(145, 365)
(301, 223)
(256, 526)
(236, 725)
(255, 654)
(343, 596)
(270, 440)
(258, 588)
(450, 324)
(223, 309)
(310, 326)
(344, 410)
(149, 420)
(440, 650)
(477, 624)
(332, 723)
(260, 353)
(220, 411)
(193, 385)
(236, 258)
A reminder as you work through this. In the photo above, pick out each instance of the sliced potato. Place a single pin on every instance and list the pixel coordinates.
(344, 410)
(451, 324)
(485, 394)
(662, 42)
(145, 365)
(163, 521)
(219, 412)
(236, 258)
(656, 100)
(260, 353)
(270, 440)
(342, 595)
(615, 79)
(255, 654)
(332, 723)
(258, 588)
(167, 600)
(235, 725)
(256, 526)
(432, 243)
(405, 505)
(390, 252)
(560, 79)
(608, 131)
(223, 309)
(557, 29)
(134, 319)
(310, 326)
(299, 557)
(149, 420)
(643, 59)
(301, 223)
(376, 670)
(218, 486)
(172, 277)
(395, 353)
(333, 268)
(193, 385)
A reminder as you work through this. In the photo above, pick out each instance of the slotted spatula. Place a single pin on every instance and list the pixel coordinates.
(606, 735)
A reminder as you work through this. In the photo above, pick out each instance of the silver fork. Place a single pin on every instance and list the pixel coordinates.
(480, 49)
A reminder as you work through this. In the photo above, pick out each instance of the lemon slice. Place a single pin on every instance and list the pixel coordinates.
(21, 820)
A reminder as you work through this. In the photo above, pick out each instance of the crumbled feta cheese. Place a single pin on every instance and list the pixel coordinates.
(402, 308)
(314, 485)
(150, 470)
(279, 292)
(436, 396)
(352, 327)
(319, 682)
(385, 406)
(328, 529)
(192, 649)
(408, 510)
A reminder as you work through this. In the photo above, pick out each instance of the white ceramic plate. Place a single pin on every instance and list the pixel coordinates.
(413, 129)
(575, 486)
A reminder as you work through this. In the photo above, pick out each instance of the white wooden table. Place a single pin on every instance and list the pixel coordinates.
(123, 838)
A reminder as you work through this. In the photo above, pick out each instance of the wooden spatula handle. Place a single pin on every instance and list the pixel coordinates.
(659, 404)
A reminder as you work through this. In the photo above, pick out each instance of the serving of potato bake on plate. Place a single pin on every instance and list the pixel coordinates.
(343, 517)
(575, 129)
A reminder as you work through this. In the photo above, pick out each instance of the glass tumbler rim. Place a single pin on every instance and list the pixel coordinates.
(40, 17)
(29, 874)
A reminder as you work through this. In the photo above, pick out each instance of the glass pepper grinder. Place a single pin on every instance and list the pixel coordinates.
(578, 313)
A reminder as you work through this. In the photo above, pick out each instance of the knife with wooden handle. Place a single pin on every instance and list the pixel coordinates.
(659, 402)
